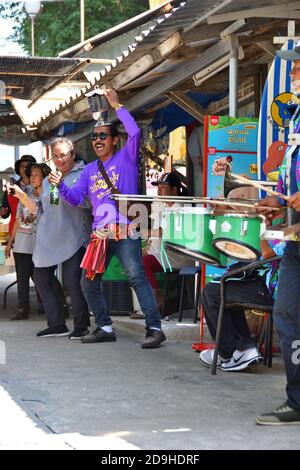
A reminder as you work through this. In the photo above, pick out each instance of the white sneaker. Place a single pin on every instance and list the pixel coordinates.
(207, 357)
(242, 360)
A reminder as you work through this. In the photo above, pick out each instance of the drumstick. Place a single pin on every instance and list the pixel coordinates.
(242, 179)
(183, 199)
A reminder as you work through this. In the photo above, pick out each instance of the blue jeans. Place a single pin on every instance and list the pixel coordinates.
(286, 315)
(130, 255)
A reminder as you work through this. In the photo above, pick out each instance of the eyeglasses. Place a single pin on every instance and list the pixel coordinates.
(100, 135)
(61, 156)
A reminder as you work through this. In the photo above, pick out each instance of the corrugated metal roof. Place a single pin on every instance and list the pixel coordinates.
(184, 17)
(25, 77)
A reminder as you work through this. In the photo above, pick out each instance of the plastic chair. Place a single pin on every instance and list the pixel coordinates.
(268, 334)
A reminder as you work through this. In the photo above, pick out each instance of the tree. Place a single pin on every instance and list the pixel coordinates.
(58, 25)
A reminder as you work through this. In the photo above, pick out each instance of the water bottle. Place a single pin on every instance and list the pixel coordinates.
(54, 195)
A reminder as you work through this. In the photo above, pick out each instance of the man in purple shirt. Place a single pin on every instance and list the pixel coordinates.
(122, 169)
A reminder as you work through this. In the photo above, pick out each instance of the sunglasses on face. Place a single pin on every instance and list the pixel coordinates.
(99, 135)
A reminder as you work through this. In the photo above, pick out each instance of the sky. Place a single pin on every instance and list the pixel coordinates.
(8, 47)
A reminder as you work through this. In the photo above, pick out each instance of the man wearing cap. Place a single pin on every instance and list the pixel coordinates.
(169, 184)
(122, 170)
(286, 311)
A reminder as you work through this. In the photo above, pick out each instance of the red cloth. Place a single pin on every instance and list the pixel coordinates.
(13, 204)
(94, 258)
(152, 266)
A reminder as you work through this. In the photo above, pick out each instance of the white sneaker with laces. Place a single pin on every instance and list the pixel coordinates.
(242, 360)
(207, 355)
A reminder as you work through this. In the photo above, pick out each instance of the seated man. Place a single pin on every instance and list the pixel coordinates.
(238, 349)
(169, 184)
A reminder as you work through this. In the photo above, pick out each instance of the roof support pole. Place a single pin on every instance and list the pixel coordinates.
(233, 82)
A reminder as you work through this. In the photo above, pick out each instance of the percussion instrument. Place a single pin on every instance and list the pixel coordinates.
(238, 235)
(187, 230)
(199, 233)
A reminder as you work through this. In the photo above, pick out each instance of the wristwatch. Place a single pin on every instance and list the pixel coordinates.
(119, 106)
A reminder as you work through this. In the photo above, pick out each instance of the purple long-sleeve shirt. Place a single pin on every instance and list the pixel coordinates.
(122, 169)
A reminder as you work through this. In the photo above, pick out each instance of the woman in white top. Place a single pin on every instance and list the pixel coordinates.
(23, 236)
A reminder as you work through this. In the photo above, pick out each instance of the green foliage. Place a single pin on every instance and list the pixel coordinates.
(58, 25)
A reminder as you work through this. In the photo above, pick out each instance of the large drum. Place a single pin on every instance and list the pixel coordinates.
(238, 236)
(188, 231)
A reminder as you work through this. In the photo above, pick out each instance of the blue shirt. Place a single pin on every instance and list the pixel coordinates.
(60, 230)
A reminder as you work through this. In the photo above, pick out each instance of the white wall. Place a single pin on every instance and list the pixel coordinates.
(7, 153)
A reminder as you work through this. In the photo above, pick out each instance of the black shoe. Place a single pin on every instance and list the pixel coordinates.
(99, 336)
(153, 339)
(284, 414)
(78, 334)
(53, 331)
(20, 314)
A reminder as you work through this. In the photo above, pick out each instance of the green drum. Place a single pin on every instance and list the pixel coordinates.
(187, 230)
(238, 236)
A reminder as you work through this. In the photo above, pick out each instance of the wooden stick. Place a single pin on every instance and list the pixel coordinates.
(183, 199)
(242, 179)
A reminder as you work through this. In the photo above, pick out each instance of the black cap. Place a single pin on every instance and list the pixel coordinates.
(24, 158)
(171, 178)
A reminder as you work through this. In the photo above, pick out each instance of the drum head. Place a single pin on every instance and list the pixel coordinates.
(197, 255)
(236, 250)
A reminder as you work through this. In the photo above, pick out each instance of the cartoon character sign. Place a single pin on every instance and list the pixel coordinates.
(282, 109)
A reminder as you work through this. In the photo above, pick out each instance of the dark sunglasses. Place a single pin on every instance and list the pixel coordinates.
(99, 135)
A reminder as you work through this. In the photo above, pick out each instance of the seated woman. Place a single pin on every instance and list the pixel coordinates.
(238, 349)
(169, 184)
(22, 238)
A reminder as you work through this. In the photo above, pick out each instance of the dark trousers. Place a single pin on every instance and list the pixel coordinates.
(235, 331)
(24, 271)
(130, 255)
(286, 315)
(53, 302)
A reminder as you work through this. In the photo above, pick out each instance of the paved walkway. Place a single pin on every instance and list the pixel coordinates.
(56, 393)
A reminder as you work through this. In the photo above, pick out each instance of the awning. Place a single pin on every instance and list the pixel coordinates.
(27, 77)
(167, 56)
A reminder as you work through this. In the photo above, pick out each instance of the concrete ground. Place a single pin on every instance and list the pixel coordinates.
(61, 394)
